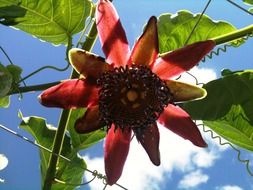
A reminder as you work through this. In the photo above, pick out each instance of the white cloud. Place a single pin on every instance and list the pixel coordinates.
(193, 179)
(177, 154)
(205, 159)
(3, 161)
(229, 187)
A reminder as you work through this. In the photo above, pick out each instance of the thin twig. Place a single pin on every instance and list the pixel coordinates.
(240, 7)
(196, 24)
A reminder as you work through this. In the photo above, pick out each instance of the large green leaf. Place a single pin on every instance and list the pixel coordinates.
(82, 141)
(54, 21)
(235, 127)
(175, 29)
(227, 109)
(232, 89)
(69, 172)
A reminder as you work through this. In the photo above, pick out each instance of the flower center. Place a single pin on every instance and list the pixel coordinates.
(131, 97)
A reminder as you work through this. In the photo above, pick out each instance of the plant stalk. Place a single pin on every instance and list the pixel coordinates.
(33, 88)
(62, 127)
(231, 36)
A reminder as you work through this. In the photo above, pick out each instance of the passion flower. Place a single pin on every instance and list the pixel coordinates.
(130, 91)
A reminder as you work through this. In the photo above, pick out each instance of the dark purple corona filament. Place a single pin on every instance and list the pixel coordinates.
(132, 97)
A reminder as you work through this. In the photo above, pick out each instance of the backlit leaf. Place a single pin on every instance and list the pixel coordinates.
(248, 2)
(174, 29)
(53, 21)
(15, 72)
(5, 102)
(227, 108)
(44, 135)
(9, 77)
(235, 127)
(232, 89)
(5, 81)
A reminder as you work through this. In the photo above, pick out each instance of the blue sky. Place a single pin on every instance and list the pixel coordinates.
(215, 168)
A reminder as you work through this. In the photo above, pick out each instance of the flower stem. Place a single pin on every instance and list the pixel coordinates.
(33, 88)
(233, 35)
(62, 126)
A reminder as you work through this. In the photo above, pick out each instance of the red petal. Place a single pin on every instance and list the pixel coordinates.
(183, 59)
(178, 121)
(145, 50)
(73, 93)
(149, 139)
(90, 121)
(111, 33)
(116, 151)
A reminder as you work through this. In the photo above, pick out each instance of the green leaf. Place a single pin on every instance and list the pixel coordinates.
(248, 2)
(53, 21)
(82, 141)
(15, 72)
(235, 127)
(9, 14)
(69, 172)
(227, 108)
(5, 81)
(235, 88)
(5, 102)
(9, 76)
(175, 29)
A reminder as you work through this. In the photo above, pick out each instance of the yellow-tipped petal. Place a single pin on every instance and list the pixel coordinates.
(146, 49)
(87, 64)
(185, 92)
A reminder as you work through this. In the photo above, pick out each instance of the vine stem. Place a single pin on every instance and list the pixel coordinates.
(62, 126)
(33, 88)
(231, 36)
(226, 38)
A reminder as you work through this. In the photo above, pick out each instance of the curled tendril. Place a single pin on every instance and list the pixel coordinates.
(225, 47)
(6, 55)
(239, 158)
(52, 67)
(95, 175)
(195, 78)
(43, 68)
